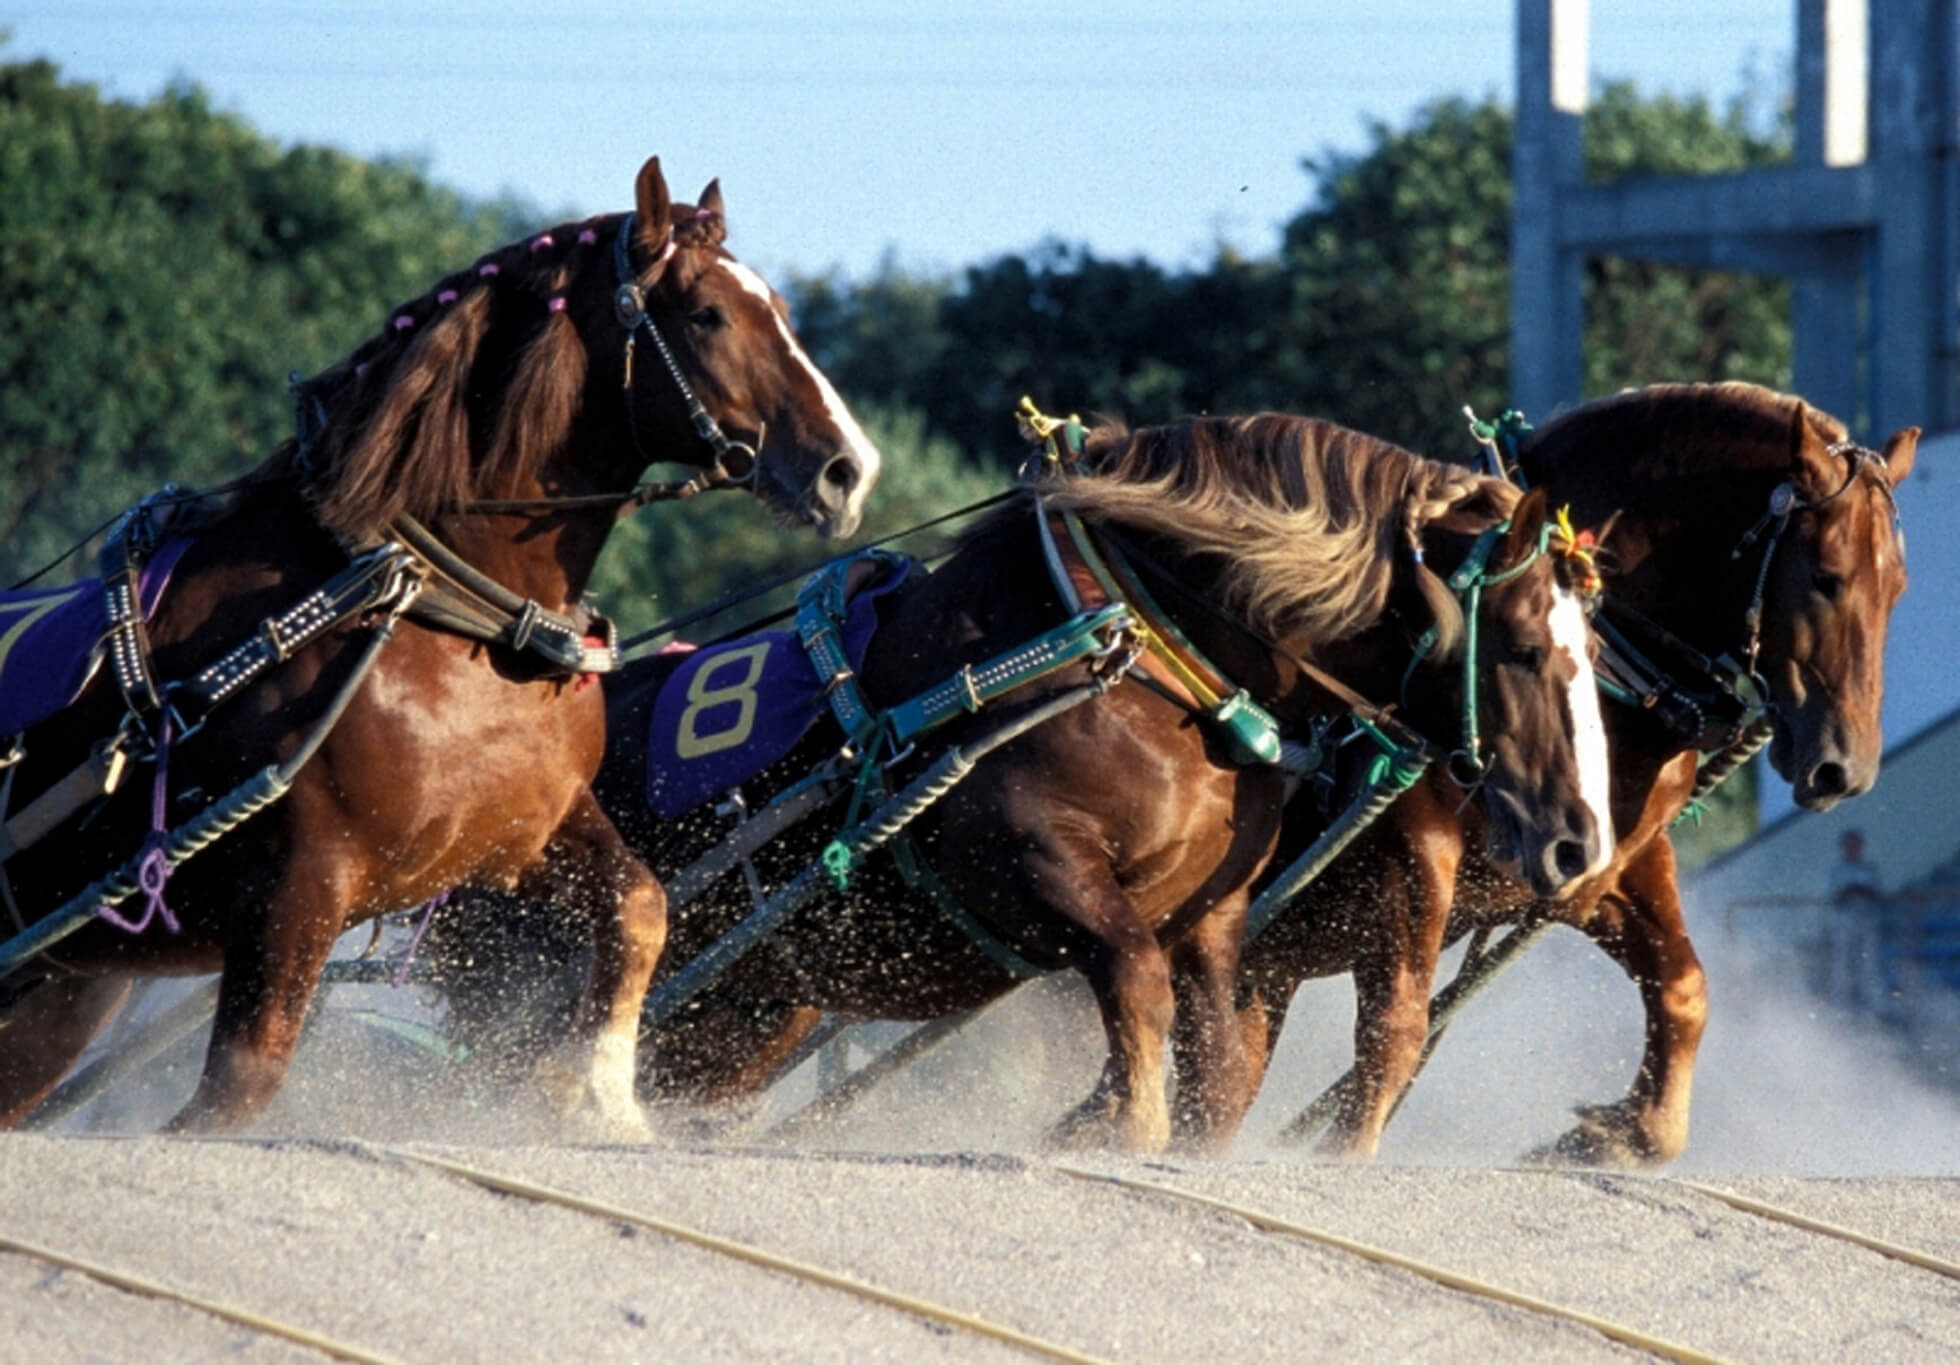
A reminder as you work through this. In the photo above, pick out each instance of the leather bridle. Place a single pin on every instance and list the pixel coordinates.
(735, 464)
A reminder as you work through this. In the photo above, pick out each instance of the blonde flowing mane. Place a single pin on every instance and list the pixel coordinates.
(1305, 518)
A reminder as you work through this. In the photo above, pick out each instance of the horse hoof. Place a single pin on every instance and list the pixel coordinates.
(1095, 1131)
(1606, 1136)
(632, 1129)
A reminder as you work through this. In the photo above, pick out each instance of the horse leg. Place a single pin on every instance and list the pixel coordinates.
(1129, 1109)
(589, 869)
(1392, 982)
(45, 1031)
(1642, 928)
(271, 971)
(1217, 1068)
(1130, 975)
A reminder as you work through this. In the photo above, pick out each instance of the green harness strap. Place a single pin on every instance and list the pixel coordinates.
(1393, 771)
(821, 607)
(1468, 583)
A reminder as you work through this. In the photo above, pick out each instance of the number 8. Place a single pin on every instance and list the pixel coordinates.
(689, 742)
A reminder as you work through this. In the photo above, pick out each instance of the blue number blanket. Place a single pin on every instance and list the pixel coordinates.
(733, 709)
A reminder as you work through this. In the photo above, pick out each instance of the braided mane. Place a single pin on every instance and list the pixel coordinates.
(1307, 519)
(467, 390)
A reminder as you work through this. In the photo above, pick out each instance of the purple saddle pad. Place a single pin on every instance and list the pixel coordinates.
(50, 639)
(732, 709)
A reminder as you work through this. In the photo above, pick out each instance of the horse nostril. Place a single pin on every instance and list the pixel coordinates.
(841, 474)
(1570, 858)
(1828, 779)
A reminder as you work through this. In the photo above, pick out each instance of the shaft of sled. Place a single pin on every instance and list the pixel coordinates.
(706, 968)
(206, 828)
(1360, 813)
(1718, 769)
(747, 837)
(848, 1091)
(882, 826)
(1471, 978)
(168, 1029)
(125, 881)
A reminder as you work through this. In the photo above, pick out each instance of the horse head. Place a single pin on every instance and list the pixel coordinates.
(1755, 553)
(1521, 695)
(1825, 598)
(723, 334)
(555, 369)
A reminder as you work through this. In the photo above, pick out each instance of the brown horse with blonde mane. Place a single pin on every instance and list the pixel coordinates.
(1297, 557)
(433, 723)
(1751, 572)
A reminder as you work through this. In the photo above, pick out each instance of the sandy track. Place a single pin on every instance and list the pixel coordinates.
(347, 1239)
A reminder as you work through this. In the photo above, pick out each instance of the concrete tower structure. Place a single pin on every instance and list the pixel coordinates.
(1865, 221)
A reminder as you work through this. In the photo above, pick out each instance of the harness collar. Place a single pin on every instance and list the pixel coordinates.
(1098, 573)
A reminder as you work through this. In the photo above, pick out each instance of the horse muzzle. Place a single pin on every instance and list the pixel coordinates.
(1821, 768)
(1551, 858)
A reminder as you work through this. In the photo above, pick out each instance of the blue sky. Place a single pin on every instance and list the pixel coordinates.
(942, 132)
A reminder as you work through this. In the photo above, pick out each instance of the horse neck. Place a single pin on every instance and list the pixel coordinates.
(548, 553)
(1675, 551)
(546, 556)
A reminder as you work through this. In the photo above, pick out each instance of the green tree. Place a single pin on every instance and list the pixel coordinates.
(165, 267)
(673, 559)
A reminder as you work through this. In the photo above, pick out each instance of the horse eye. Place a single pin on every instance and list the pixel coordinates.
(1531, 657)
(1827, 585)
(705, 318)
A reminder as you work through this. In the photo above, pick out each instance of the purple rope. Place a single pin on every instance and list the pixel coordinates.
(154, 869)
(427, 912)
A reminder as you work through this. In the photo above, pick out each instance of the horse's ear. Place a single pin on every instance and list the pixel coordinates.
(710, 200)
(1527, 522)
(653, 211)
(1900, 452)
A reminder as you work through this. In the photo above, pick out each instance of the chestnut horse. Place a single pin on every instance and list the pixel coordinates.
(1753, 537)
(1304, 561)
(482, 445)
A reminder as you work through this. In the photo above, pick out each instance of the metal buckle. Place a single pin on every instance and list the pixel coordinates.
(630, 305)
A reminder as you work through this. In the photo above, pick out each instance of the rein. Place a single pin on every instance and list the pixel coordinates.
(1743, 685)
(1646, 684)
(738, 459)
(1468, 583)
(464, 599)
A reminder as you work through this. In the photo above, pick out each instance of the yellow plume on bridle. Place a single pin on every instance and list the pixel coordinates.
(1579, 547)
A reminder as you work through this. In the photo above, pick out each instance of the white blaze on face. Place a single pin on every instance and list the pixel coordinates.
(851, 437)
(1568, 627)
